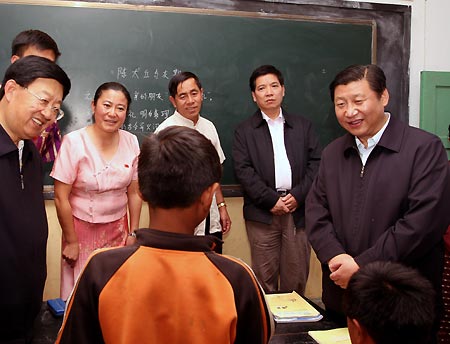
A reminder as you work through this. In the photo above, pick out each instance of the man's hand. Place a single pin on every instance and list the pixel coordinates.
(342, 268)
(225, 220)
(290, 202)
(280, 208)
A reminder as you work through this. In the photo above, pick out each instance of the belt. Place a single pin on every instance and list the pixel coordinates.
(283, 192)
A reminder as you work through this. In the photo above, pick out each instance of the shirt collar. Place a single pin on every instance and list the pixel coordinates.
(187, 122)
(279, 119)
(373, 141)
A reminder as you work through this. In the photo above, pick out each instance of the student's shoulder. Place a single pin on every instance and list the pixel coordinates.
(233, 268)
(110, 257)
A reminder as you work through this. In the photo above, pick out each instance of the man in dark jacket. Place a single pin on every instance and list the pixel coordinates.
(276, 156)
(30, 100)
(382, 191)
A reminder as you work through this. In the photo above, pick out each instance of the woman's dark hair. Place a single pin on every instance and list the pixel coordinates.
(115, 86)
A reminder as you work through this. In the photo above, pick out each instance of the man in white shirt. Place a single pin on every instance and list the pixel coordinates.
(276, 156)
(186, 95)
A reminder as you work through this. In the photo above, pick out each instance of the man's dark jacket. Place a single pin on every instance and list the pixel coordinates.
(396, 209)
(23, 237)
(254, 165)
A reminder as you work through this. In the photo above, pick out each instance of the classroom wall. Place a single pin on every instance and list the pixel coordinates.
(429, 51)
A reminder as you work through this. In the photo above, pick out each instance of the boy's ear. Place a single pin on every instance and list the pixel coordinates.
(207, 195)
(358, 334)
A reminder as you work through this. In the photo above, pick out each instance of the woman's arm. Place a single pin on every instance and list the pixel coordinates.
(134, 204)
(64, 211)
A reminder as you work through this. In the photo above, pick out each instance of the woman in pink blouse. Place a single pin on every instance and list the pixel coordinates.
(95, 176)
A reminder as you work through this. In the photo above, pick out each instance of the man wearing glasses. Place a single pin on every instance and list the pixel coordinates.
(39, 43)
(30, 100)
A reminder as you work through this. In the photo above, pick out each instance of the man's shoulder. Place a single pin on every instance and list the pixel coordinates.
(251, 121)
(296, 118)
(206, 123)
(169, 121)
(399, 135)
(338, 144)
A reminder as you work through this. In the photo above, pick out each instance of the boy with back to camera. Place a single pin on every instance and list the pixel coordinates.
(169, 287)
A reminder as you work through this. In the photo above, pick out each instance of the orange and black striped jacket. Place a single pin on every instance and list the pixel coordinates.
(168, 288)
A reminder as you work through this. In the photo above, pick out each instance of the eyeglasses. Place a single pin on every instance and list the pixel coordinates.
(55, 111)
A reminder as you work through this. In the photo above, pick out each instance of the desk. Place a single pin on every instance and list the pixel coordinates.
(47, 327)
(297, 333)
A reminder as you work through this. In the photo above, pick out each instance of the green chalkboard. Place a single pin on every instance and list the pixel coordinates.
(142, 47)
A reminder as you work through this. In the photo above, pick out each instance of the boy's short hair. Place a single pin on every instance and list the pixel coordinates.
(392, 302)
(176, 166)
(36, 38)
(29, 68)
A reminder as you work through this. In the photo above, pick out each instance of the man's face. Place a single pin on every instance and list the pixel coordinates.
(268, 94)
(33, 50)
(27, 116)
(188, 100)
(359, 109)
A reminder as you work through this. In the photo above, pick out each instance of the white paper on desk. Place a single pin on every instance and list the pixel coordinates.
(291, 307)
(334, 336)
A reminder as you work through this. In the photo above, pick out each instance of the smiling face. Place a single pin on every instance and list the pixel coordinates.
(188, 100)
(110, 110)
(27, 116)
(359, 109)
(268, 94)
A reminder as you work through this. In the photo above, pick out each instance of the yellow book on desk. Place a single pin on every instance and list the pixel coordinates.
(335, 336)
(291, 307)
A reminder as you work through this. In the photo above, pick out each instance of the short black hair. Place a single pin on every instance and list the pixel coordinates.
(29, 68)
(179, 78)
(116, 86)
(36, 38)
(372, 73)
(394, 303)
(176, 166)
(264, 70)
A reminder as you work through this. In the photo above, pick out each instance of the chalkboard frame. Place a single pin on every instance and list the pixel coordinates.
(233, 189)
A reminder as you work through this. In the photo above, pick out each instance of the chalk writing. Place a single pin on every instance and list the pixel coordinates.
(138, 72)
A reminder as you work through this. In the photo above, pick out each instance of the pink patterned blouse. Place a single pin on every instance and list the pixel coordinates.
(99, 187)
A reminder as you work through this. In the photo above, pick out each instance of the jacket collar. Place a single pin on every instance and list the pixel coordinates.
(391, 138)
(6, 144)
(257, 119)
(175, 241)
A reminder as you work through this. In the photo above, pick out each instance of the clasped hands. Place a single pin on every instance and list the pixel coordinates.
(285, 205)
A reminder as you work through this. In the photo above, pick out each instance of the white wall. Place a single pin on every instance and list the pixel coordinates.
(430, 43)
